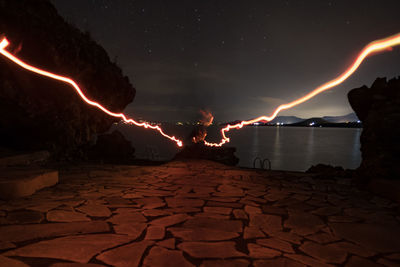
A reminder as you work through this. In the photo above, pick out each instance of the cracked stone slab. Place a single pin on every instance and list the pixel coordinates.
(8, 262)
(323, 238)
(252, 232)
(221, 250)
(127, 216)
(257, 251)
(156, 205)
(224, 204)
(161, 257)
(155, 232)
(134, 230)
(303, 223)
(356, 261)
(66, 216)
(212, 215)
(155, 213)
(394, 256)
(127, 255)
(327, 254)
(80, 248)
(276, 244)
(184, 202)
(307, 260)
(19, 233)
(387, 262)
(6, 245)
(252, 210)
(70, 264)
(374, 237)
(201, 234)
(240, 214)
(219, 210)
(23, 217)
(327, 211)
(215, 224)
(267, 209)
(353, 249)
(225, 263)
(268, 223)
(279, 262)
(170, 220)
(95, 210)
(167, 243)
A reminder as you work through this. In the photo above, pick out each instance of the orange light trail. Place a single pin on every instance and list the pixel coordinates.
(4, 43)
(375, 46)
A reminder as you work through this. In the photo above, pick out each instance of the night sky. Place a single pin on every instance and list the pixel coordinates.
(238, 59)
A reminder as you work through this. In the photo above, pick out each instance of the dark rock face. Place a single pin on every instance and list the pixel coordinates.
(378, 108)
(225, 155)
(38, 113)
(112, 148)
(328, 171)
(323, 168)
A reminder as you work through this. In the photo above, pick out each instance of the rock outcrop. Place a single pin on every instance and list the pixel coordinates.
(325, 171)
(38, 113)
(378, 108)
(112, 148)
(224, 155)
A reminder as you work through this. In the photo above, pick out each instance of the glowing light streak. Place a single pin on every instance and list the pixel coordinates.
(4, 43)
(373, 47)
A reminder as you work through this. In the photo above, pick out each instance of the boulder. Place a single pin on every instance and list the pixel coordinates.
(112, 148)
(329, 171)
(378, 107)
(225, 155)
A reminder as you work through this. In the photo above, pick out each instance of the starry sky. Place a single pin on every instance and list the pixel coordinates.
(239, 59)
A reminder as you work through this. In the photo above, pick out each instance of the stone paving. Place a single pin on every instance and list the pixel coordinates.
(198, 213)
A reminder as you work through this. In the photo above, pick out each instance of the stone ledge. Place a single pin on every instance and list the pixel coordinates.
(23, 183)
(24, 159)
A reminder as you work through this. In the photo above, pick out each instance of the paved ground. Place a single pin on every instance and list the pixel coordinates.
(198, 214)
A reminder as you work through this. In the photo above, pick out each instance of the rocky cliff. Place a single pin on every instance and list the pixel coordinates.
(378, 108)
(38, 113)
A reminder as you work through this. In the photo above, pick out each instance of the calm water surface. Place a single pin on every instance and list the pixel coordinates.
(288, 148)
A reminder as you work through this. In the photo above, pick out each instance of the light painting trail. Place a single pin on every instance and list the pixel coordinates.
(4, 43)
(375, 46)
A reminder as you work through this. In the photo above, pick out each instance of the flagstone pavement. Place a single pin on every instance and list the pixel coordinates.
(198, 213)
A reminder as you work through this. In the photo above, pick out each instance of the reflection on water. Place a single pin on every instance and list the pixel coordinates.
(288, 148)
